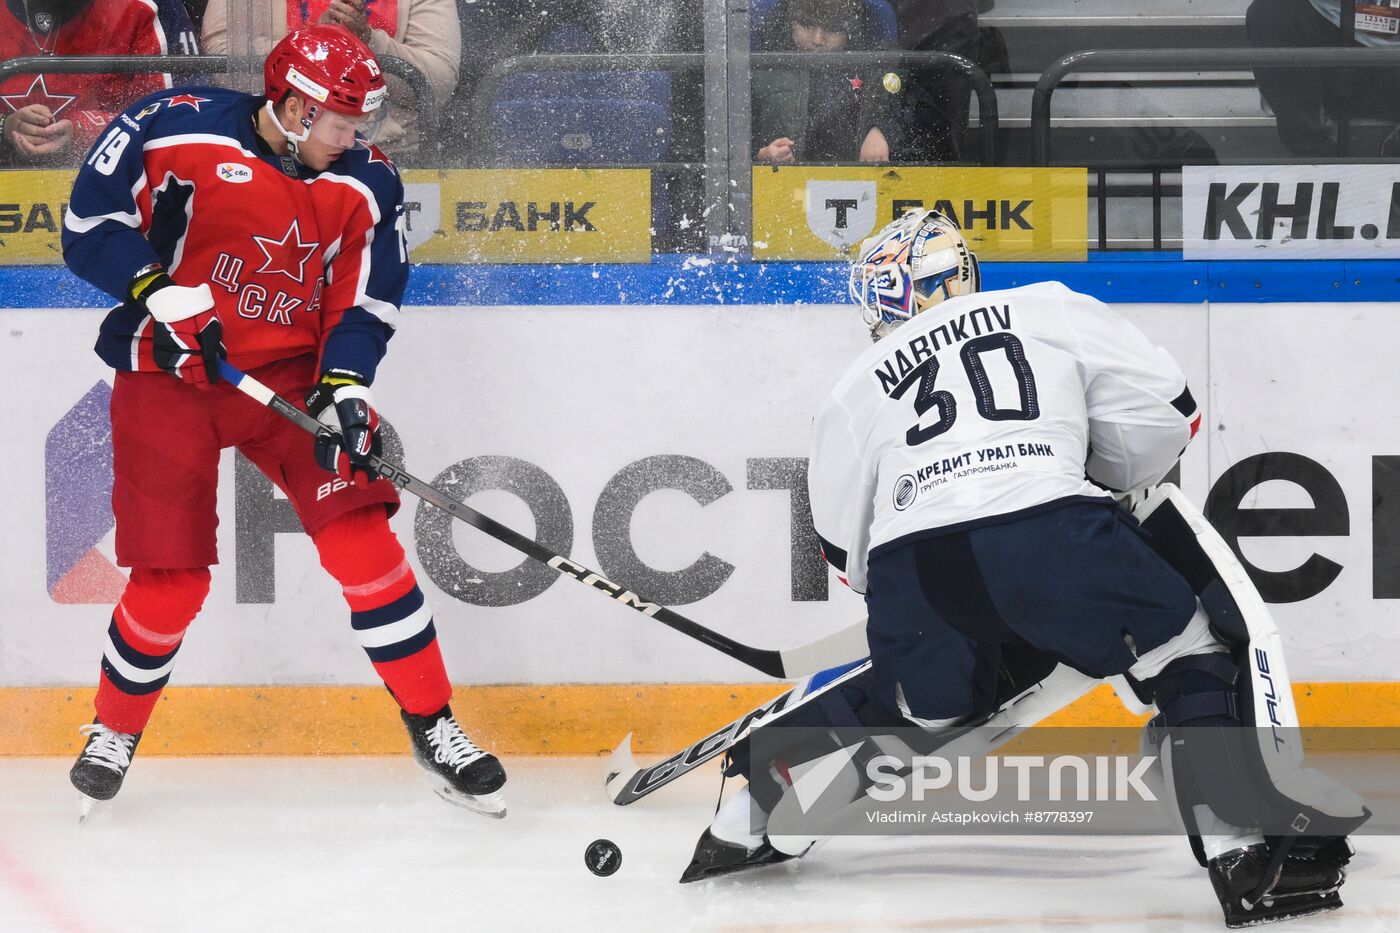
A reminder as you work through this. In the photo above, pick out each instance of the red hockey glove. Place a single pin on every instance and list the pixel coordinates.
(342, 402)
(187, 336)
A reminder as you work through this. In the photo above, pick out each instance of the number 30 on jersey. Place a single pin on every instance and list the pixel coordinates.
(926, 374)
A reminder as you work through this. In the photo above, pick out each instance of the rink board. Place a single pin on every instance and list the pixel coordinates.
(616, 423)
(556, 719)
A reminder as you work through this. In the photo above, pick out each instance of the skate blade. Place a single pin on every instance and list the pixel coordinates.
(1294, 911)
(491, 805)
(86, 806)
(1245, 923)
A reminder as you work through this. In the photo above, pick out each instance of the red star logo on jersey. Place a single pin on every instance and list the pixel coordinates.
(855, 83)
(38, 93)
(287, 255)
(375, 155)
(188, 99)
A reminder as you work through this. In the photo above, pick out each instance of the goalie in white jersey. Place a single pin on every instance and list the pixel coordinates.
(993, 407)
(960, 479)
(950, 476)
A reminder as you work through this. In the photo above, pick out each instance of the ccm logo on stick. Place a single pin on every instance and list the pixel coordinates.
(619, 593)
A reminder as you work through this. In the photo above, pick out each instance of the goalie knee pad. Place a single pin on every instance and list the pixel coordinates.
(1199, 690)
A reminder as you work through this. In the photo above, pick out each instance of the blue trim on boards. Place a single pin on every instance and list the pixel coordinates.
(689, 280)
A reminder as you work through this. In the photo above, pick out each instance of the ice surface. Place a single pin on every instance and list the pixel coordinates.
(349, 844)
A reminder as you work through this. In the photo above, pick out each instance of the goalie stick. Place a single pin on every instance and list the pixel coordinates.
(627, 782)
(784, 663)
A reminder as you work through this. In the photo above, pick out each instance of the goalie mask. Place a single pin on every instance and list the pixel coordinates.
(910, 266)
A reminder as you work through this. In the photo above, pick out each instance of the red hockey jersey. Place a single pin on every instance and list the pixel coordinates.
(299, 261)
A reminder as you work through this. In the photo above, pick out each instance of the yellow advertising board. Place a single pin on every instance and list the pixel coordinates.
(529, 215)
(804, 212)
(476, 215)
(32, 204)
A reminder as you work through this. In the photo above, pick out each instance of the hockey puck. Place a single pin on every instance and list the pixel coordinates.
(602, 857)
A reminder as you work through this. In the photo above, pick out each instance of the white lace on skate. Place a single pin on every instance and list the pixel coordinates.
(451, 746)
(109, 748)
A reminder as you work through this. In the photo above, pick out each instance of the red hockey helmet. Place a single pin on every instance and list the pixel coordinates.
(329, 66)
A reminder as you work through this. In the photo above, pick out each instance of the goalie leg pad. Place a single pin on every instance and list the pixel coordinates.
(846, 703)
(974, 738)
(1249, 776)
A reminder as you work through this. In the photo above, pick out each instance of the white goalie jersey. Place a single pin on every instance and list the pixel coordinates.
(987, 407)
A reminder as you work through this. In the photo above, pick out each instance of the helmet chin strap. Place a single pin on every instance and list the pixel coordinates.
(294, 141)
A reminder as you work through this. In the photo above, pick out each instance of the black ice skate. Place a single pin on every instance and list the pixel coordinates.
(102, 765)
(461, 773)
(1302, 886)
(714, 857)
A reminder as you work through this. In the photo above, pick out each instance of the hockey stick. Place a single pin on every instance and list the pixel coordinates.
(783, 663)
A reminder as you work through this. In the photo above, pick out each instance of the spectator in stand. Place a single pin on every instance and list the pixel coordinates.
(49, 118)
(824, 115)
(425, 33)
(936, 99)
(1306, 101)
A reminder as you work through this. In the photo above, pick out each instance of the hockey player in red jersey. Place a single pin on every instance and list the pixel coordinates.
(47, 115)
(264, 230)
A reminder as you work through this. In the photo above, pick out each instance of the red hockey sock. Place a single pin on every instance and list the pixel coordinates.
(387, 609)
(147, 627)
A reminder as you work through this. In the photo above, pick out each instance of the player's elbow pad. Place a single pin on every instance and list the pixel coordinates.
(1130, 458)
(1122, 477)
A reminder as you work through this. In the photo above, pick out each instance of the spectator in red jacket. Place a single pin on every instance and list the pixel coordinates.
(47, 117)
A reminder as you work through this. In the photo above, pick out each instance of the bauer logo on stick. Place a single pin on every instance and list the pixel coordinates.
(602, 857)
